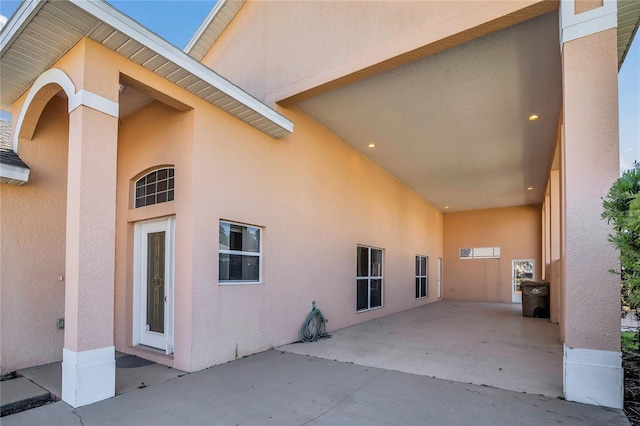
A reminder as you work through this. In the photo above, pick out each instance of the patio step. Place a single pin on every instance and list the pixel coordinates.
(20, 394)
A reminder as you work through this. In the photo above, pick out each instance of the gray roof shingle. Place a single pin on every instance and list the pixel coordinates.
(5, 135)
(7, 156)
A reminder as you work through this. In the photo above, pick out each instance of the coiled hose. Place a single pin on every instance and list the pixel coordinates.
(314, 327)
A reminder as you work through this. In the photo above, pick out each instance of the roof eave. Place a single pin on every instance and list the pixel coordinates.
(277, 125)
(18, 21)
(628, 23)
(216, 22)
(205, 24)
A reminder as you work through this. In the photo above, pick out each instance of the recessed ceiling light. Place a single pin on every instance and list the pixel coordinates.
(446, 207)
(530, 188)
(533, 117)
(372, 145)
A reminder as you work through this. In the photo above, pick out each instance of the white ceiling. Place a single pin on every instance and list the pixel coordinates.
(454, 126)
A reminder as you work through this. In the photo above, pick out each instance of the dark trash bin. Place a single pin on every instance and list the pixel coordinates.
(535, 299)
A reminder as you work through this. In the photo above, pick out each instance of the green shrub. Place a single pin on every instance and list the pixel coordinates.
(622, 210)
(629, 341)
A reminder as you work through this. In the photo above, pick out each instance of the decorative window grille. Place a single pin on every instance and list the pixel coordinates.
(155, 187)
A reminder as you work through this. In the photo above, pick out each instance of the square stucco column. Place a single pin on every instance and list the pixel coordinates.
(88, 367)
(592, 358)
(554, 246)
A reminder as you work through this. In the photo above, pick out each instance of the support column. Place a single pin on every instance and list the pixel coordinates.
(592, 358)
(554, 246)
(546, 239)
(88, 366)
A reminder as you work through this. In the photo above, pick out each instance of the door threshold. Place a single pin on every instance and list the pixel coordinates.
(152, 354)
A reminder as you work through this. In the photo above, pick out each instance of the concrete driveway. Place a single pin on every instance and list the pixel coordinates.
(480, 343)
(488, 344)
(278, 388)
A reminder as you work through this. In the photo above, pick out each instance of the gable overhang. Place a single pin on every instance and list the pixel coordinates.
(212, 27)
(628, 22)
(40, 32)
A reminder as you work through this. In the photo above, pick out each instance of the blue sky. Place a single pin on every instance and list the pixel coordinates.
(177, 21)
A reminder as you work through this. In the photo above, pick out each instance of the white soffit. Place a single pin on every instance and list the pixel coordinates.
(212, 27)
(40, 32)
(454, 126)
(628, 21)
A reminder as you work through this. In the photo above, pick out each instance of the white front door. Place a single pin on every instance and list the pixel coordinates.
(439, 278)
(521, 270)
(154, 284)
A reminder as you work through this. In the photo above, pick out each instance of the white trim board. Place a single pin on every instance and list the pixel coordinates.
(75, 99)
(94, 101)
(574, 26)
(88, 376)
(593, 377)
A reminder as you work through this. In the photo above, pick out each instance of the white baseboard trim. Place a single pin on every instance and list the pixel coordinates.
(88, 376)
(593, 377)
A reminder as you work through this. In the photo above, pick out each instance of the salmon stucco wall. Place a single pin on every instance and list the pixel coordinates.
(276, 50)
(516, 230)
(316, 198)
(155, 135)
(589, 168)
(32, 248)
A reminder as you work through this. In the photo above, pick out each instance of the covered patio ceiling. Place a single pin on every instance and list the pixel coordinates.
(454, 126)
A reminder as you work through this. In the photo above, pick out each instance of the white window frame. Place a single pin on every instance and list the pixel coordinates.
(422, 274)
(495, 253)
(370, 277)
(155, 194)
(242, 253)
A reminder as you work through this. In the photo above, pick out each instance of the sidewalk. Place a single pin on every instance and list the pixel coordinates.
(277, 388)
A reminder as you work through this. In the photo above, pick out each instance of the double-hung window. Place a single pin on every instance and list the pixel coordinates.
(240, 254)
(369, 278)
(422, 276)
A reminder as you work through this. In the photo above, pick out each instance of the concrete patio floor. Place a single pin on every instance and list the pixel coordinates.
(487, 343)
(131, 373)
(481, 343)
(127, 379)
(279, 388)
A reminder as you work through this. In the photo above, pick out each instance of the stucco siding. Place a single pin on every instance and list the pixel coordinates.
(32, 248)
(276, 50)
(516, 230)
(156, 135)
(317, 199)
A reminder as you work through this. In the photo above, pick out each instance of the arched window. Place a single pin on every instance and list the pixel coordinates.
(155, 187)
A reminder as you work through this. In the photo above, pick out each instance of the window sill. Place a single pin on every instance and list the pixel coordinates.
(369, 310)
(233, 283)
(423, 297)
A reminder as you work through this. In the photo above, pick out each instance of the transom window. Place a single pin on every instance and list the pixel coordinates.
(480, 253)
(422, 276)
(369, 278)
(240, 254)
(155, 187)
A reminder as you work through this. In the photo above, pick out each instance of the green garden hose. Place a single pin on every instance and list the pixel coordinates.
(314, 327)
